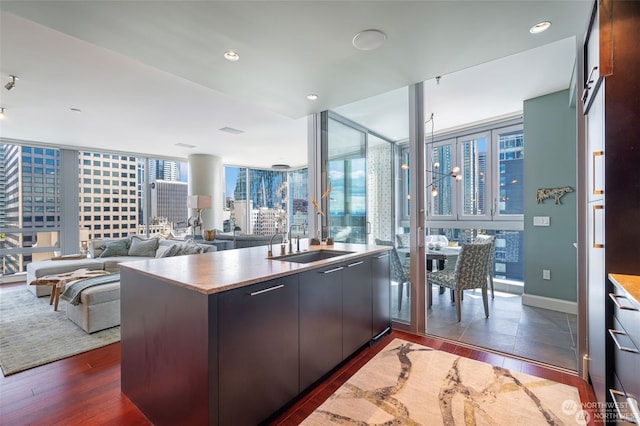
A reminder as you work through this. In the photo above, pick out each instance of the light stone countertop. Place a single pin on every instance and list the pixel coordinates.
(629, 283)
(219, 271)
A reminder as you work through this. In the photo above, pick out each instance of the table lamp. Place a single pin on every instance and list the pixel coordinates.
(84, 240)
(197, 202)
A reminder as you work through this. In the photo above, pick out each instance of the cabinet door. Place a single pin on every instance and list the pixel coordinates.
(320, 323)
(258, 350)
(356, 306)
(595, 146)
(596, 276)
(592, 77)
(381, 291)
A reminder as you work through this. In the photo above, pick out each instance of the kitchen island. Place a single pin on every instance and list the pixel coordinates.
(230, 337)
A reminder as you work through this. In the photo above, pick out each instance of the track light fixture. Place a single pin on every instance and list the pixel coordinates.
(11, 84)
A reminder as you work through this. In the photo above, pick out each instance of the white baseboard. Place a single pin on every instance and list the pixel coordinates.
(550, 303)
(13, 278)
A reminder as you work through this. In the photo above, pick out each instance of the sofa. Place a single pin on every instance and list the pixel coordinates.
(99, 306)
(108, 254)
(248, 240)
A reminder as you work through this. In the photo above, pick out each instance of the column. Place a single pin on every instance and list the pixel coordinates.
(206, 177)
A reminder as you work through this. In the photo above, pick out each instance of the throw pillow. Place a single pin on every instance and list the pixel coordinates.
(143, 247)
(181, 249)
(161, 250)
(115, 248)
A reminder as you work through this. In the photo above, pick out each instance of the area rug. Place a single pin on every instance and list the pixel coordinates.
(410, 384)
(33, 334)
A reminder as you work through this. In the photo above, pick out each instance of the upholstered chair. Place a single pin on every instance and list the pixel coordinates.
(399, 270)
(470, 272)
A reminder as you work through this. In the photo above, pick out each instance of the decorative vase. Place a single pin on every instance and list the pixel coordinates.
(209, 234)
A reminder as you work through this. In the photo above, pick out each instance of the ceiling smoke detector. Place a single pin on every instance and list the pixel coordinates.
(369, 39)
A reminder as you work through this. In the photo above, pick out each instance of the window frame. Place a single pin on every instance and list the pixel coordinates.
(492, 219)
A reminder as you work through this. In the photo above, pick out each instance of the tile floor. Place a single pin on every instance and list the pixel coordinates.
(512, 328)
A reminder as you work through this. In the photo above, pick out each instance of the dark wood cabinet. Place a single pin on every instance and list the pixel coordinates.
(258, 350)
(320, 323)
(381, 287)
(611, 102)
(238, 355)
(357, 320)
(624, 339)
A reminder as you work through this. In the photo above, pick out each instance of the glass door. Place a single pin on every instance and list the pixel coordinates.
(346, 165)
(360, 205)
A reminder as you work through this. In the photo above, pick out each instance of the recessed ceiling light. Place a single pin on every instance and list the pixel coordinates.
(312, 96)
(280, 166)
(540, 27)
(369, 39)
(231, 55)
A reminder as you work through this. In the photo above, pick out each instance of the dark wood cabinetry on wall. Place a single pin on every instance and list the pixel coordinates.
(611, 103)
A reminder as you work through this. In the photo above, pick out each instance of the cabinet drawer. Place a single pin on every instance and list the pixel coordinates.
(627, 314)
(626, 359)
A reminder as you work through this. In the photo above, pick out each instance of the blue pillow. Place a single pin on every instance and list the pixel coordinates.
(115, 248)
(181, 249)
(143, 247)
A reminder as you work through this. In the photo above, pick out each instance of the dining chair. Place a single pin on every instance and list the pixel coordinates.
(488, 239)
(470, 272)
(399, 270)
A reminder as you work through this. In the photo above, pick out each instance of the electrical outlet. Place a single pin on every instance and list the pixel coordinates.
(541, 221)
(546, 274)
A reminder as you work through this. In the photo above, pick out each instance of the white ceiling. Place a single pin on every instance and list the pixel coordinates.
(150, 74)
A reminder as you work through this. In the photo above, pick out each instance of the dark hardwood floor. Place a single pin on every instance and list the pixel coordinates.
(85, 389)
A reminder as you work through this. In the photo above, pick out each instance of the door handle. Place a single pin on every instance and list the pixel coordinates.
(593, 175)
(596, 207)
(266, 290)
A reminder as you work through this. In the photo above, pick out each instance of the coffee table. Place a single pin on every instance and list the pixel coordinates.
(58, 281)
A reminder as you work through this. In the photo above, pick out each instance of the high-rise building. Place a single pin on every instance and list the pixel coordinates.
(262, 201)
(108, 194)
(30, 199)
(169, 202)
(163, 170)
(169, 190)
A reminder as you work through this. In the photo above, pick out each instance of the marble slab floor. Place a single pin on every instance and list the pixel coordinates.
(541, 335)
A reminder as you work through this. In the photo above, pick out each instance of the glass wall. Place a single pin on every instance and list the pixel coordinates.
(487, 198)
(29, 205)
(168, 183)
(109, 198)
(263, 201)
(346, 175)
(298, 204)
(114, 200)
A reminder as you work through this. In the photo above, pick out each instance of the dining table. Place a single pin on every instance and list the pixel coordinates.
(435, 259)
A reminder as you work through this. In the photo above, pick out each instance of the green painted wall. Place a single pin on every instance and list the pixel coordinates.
(550, 162)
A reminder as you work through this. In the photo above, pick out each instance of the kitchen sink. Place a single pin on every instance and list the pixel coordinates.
(311, 256)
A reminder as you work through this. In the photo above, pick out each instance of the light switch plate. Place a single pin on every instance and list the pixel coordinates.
(541, 221)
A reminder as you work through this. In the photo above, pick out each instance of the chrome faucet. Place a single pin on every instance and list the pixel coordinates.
(297, 238)
(270, 252)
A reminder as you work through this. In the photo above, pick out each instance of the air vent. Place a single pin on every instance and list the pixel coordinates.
(185, 145)
(231, 130)
(280, 166)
